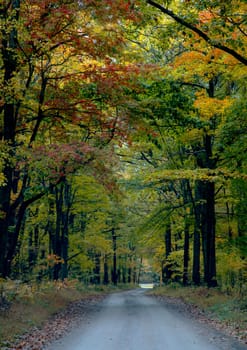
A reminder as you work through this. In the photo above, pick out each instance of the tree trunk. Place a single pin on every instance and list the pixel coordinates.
(186, 251)
(33, 247)
(187, 200)
(167, 273)
(205, 202)
(124, 273)
(106, 273)
(97, 268)
(60, 238)
(208, 233)
(197, 239)
(56, 241)
(114, 266)
(65, 228)
(207, 212)
(10, 66)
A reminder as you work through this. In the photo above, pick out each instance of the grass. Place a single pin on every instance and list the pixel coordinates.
(230, 310)
(24, 306)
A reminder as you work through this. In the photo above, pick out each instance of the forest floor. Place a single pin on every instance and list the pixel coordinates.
(226, 313)
(30, 322)
(34, 317)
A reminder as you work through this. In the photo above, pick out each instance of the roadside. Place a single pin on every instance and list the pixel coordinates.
(55, 326)
(34, 318)
(134, 320)
(34, 315)
(223, 312)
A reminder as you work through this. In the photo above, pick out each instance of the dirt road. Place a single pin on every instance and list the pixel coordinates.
(134, 321)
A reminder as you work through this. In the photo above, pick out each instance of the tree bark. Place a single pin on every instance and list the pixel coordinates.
(197, 239)
(114, 262)
(10, 67)
(167, 272)
(56, 242)
(208, 233)
(60, 238)
(205, 213)
(65, 229)
(187, 199)
(106, 272)
(97, 268)
(186, 251)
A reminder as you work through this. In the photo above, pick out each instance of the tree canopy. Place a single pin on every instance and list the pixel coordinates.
(123, 141)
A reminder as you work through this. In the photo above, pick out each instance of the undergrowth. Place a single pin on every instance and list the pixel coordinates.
(23, 306)
(230, 309)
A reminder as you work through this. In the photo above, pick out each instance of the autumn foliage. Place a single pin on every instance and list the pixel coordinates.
(122, 129)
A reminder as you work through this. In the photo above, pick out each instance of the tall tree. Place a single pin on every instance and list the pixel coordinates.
(46, 49)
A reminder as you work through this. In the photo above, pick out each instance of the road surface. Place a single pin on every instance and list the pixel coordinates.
(134, 321)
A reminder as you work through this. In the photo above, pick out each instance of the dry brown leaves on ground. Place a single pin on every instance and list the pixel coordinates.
(56, 326)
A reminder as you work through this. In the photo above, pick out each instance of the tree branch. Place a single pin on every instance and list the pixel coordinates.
(196, 30)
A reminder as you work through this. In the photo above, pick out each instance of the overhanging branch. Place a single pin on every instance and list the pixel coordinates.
(196, 30)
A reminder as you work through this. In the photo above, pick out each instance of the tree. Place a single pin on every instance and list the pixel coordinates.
(206, 53)
(227, 31)
(107, 161)
(42, 102)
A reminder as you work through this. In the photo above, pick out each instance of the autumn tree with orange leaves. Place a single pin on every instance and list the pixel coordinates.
(62, 84)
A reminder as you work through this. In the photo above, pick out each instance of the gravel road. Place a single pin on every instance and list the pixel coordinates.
(133, 320)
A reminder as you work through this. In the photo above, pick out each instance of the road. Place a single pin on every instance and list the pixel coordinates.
(134, 321)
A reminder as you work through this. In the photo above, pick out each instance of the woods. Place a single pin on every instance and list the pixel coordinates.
(123, 142)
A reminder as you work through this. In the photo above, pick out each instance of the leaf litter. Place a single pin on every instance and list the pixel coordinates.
(56, 326)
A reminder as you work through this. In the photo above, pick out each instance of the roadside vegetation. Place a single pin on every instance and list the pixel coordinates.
(26, 307)
(224, 311)
(31, 307)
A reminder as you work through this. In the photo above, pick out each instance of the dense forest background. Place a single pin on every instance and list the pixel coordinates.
(123, 141)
